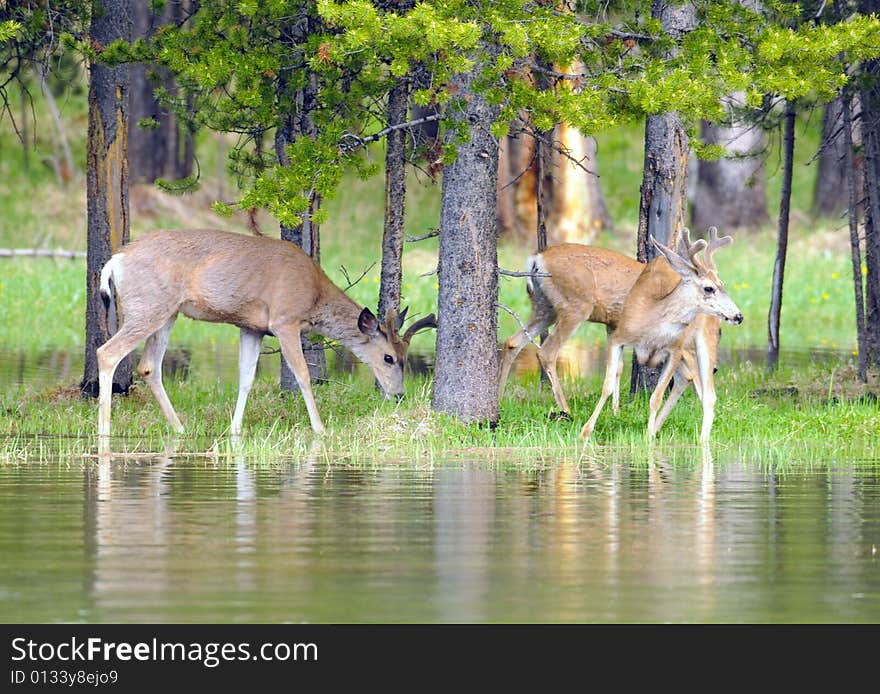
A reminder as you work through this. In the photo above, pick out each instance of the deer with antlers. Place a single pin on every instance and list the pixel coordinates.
(585, 283)
(264, 286)
(666, 316)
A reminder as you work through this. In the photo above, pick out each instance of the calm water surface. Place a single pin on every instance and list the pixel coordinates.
(183, 539)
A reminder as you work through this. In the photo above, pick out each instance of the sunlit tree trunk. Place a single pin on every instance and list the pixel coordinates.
(107, 184)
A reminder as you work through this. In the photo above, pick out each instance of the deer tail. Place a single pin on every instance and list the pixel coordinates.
(534, 266)
(107, 288)
(107, 279)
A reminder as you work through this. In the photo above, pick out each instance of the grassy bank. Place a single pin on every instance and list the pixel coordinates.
(788, 419)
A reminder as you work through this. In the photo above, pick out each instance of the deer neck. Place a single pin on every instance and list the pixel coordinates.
(337, 319)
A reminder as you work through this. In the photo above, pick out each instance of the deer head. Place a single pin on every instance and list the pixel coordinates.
(385, 349)
(700, 285)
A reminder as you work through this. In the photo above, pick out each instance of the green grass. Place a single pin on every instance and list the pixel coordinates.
(756, 420)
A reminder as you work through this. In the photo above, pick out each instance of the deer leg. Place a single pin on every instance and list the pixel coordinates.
(679, 385)
(109, 355)
(248, 355)
(150, 367)
(549, 353)
(515, 344)
(615, 355)
(692, 371)
(289, 338)
(615, 395)
(657, 396)
(706, 368)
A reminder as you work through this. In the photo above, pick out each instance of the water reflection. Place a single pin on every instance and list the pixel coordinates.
(192, 540)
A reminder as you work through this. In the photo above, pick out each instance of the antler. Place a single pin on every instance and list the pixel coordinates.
(394, 322)
(691, 249)
(714, 244)
(429, 321)
(684, 261)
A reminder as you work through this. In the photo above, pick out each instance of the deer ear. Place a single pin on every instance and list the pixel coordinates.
(368, 324)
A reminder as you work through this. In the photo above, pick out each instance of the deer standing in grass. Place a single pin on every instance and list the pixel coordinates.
(586, 283)
(264, 286)
(664, 317)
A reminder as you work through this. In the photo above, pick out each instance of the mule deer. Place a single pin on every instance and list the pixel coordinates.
(586, 283)
(264, 286)
(662, 318)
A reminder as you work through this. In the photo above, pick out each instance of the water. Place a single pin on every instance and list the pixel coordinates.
(606, 540)
(184, 539)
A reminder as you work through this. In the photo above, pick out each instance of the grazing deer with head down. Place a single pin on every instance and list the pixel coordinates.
(264, 286)
(665, 316)
(585, 284)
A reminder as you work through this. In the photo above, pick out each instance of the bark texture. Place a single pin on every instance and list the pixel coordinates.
(664, 182)
(465, 383)
(775, 316)
(870, 99)
(107, 185)
(395, 202)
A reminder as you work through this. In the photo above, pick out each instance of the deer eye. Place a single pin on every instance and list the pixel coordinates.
(389, 359)
(709, 289)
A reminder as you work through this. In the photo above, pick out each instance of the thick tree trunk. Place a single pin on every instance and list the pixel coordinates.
(166, 151)
(395, 202)
(465, 382)
(664, 181)
(775, 315)
(831, 194)
(107, 185)
(731, 192)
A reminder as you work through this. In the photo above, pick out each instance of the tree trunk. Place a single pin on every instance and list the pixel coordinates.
(575, 209)
(831, 194)
(578, 211)
(731, 192)
(166, 151)
(664, 181)
(870, 99)
(107, 184)
(395, 202)
(298, 124)
(775, 315)
(853, 218)
(466, 364)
